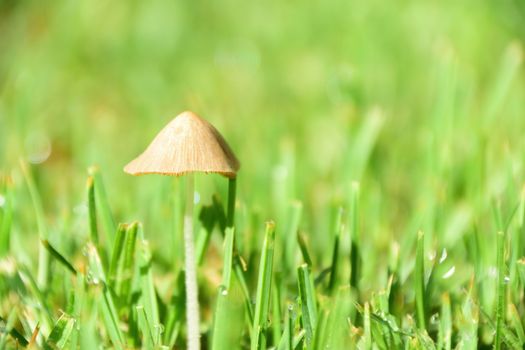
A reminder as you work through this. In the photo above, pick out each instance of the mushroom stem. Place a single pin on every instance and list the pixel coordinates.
(192, 298)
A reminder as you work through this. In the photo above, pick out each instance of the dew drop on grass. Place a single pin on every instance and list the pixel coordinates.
(89, 277)
(159, 328)
(444, 255)
(432, 255)
(223, 291)
(434, 319)
(493, 272)
(196, 197)
(38, 146)
(506, 279)
(449, 273)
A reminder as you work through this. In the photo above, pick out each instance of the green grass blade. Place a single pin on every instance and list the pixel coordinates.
(391, 334)
(423, 341)
(516, 249)
(7, 327)
(304, 248)
(321, 330)
(367, 338)
(335, 251)
(203, 239)
(276, 310)
(97, 277)
(210, 216)
(6, 218)
(42, 307)
(61, 333)
(149, 296)
(290, 243)
(520, 267)
(468, 324)
(308, 302)
(145, 327)
(103, 206)
(419, 280)
(380, 331)
(337, 330)
(43, 255)
(176, 309)
(118, 249)
(262, 303)
(239, 267)
(177, 223)
(223, 222)
(92, 210)
(59, 257)
(333, 267)
(95, 273)
(355, 255)
(110, 318)
(496, 213)
(239, 273)
(286, 342)
(517, 324)
(126, 264)
(508, 69)
(89, 337)
(227, 325)
(298, 340)
(228, 257)
(509, 339)
(364, 143)
(501, 290)
(520, 246)
(290, 325)
(445, 324)
(79, 301)
(232, 189)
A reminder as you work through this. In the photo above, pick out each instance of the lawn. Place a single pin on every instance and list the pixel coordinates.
(379, 204)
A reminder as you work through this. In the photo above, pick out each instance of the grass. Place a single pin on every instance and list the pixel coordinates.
(419, 286)
(358, 126)
(264, 284)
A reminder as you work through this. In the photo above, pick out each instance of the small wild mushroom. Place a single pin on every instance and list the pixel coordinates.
(186, 145)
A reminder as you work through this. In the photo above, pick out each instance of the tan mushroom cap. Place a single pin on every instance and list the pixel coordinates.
(187, 144)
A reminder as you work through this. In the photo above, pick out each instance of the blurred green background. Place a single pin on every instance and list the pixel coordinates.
(422, 102)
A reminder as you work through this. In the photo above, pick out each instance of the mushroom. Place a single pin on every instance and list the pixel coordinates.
(189, 144)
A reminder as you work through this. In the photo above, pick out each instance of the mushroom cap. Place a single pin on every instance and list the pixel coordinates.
(187, 144)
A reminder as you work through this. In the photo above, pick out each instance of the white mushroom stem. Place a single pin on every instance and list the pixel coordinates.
(192, 296)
